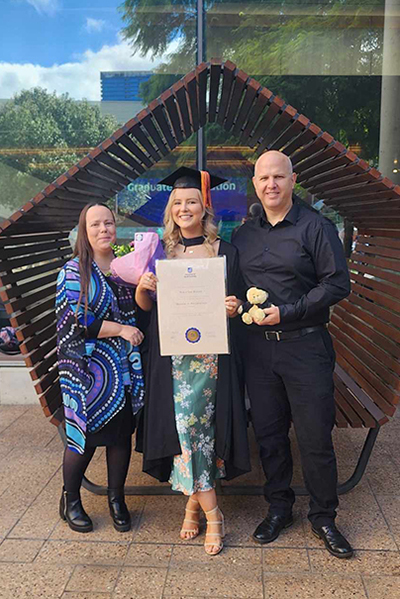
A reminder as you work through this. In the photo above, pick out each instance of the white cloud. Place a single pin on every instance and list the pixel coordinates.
(48, 7)
(81, 78)
(94, 25)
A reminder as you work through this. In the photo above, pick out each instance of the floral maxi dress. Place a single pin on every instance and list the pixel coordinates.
(194, 387)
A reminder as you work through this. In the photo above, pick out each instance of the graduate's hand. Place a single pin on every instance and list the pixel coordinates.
(147, 282)
(272, 316)
(131, 334)
(232, 304)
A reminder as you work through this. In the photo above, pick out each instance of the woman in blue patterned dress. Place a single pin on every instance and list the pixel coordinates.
(195, 422)
(100, 367)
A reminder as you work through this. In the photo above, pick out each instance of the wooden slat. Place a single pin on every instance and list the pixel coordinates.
(157, 110)
(275, 107)
(261, 102)
(21, 275)
(353, 404)
(384, 397)
(346, 409)
(299, 125)
(227, 83)
(361, 349)
(34, 248)
(24, 239)
(180, 94)
(19, 290)
(150, 126)
(202, 72)
(46, 381)
(237, 94)
(43, 369)
(32, 343)
(170, 104)
(340, 419)
(126, 142)
(379, 241)
(385, 275)
(317, 145)
(215, 73)
(366, 401)
(374, 315)
(119, 152)
(39, 354)
(26, 317)
(138, 133)
(26, 301)
(252, 89)
(306, 138)
(9, 265)
(280, 125)
(191, 86)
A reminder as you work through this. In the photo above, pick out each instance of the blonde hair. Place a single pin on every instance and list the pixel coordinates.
(172, 233)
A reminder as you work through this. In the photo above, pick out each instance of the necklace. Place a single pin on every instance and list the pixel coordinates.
(191, 242)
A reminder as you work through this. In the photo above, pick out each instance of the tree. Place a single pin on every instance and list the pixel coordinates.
(41, 136)
(279, 38)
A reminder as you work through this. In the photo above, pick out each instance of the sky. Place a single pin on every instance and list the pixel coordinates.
(62, 45)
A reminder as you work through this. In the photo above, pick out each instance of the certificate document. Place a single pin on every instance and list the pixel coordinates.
(191, 306)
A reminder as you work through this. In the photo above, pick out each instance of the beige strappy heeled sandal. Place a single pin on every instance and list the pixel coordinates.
(218, 535)
(194, 531)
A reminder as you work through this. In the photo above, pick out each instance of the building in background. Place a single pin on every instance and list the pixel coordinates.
(122, 86)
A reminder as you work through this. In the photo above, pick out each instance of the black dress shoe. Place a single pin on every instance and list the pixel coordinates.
(334, 541)
(71, 510)
(270, 528)
(119, 512)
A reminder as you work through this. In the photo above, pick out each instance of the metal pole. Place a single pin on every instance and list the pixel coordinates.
(201, 157)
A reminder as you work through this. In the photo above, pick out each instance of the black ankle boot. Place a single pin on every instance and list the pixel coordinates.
(118, 510)
(72, 511)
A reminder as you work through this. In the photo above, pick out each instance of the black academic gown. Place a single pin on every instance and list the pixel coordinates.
(160, 442)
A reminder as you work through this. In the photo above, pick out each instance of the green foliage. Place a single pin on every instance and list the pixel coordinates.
(52, 132)
(123, 249)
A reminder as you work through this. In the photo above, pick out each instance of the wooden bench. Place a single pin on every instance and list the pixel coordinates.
(366, 326)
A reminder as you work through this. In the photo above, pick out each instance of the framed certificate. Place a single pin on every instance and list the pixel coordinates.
(191, 306)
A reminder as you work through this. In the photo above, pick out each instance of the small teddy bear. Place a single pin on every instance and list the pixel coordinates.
(251, 311)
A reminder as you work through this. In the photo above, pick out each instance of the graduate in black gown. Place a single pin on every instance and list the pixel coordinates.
(176, 447)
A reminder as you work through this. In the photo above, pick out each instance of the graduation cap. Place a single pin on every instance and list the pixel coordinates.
(190, 178)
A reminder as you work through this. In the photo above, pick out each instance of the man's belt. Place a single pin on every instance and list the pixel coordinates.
(282, 335)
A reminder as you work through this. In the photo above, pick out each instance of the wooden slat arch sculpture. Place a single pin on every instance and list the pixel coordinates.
(365, 326)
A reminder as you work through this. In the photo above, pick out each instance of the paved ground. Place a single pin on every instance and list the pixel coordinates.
(41, 558)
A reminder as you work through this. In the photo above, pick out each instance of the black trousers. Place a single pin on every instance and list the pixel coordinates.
(291, 381)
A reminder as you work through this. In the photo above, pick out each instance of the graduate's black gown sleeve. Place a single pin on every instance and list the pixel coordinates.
(160, 442)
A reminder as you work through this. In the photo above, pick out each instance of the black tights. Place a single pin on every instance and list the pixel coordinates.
(75, 464)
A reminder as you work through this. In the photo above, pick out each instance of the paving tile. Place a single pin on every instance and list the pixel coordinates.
(21, 550)
(103, 530)
(30, 429)
(303, 586)
(144, 554)
(163, 515)
(85, 595)
(31, 581)
(361, 521)
(382, 587)
(285, 560)
(83, 553)
(244, 513)
(42, 515)
(390, 506)
(384, 477)
(235, 572)
(9, 414)
(99, 579)
(370, 563)
(140, 583)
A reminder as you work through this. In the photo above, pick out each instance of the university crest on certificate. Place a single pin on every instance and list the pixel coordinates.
(191, 306)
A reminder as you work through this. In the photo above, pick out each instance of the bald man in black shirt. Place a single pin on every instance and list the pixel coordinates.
(295, 254)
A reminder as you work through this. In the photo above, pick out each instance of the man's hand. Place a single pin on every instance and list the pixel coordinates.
(232, 304)
(272, 316)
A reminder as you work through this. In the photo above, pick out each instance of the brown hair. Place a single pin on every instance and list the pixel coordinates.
(83, 249)
(172, 233)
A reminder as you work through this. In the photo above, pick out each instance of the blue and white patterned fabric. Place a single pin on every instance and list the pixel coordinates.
(96, 375)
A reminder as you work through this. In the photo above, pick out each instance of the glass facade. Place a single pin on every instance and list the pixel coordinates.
(337, 62)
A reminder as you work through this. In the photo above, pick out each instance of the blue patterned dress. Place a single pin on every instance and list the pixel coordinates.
(96, 375)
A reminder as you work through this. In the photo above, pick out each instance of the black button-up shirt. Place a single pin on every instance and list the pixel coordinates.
(300, 262)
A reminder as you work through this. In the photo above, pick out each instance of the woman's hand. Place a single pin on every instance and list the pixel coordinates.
(131, 334)
(147, 282)
(232, 304)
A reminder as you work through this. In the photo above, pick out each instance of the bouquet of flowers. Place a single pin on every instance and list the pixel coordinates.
(134, 259)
